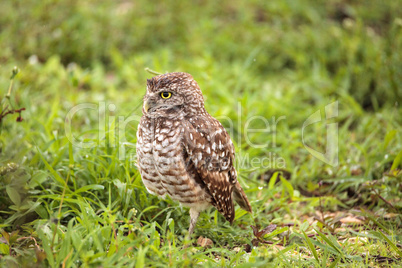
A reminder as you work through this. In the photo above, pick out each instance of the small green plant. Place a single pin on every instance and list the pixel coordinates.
(6, 106)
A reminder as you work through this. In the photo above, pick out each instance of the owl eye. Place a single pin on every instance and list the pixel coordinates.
(166, 95)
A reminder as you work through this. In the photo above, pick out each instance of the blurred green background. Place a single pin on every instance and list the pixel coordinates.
(356, 44)
(250, 58)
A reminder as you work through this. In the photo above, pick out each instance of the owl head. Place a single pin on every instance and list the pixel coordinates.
(173, 93)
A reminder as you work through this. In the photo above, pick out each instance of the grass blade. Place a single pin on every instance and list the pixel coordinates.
(311, 246)
(382, 235)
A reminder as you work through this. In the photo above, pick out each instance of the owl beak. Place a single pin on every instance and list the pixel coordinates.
(148, 104)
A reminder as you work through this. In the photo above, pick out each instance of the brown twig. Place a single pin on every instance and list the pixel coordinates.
(383, 199)
(115, 237)
(31, 238)
(66, 258)
(6, 112)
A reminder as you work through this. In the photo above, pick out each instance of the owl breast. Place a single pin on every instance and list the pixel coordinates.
(163, 163)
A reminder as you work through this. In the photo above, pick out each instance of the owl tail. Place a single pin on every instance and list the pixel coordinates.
(240, 197)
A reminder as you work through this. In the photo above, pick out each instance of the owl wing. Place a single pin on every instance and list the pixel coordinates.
(210, 155)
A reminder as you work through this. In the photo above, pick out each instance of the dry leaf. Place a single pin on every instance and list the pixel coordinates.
(204, 242)
(351, 219)
(390, 215)
(266, 230)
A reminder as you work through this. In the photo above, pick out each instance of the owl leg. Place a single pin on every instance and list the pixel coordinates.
(193, 220)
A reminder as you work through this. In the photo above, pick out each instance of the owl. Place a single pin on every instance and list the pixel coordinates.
(185, 153)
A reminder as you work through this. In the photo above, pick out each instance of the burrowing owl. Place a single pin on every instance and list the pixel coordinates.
(184, 152)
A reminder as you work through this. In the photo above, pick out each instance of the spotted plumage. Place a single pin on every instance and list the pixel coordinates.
(184, 152)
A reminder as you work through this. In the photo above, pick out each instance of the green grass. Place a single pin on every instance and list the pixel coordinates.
(65, 205)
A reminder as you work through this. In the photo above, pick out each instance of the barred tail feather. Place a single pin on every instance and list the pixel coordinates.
(240, 197)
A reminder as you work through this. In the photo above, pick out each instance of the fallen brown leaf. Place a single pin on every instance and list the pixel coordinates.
(204, 242)
(351, 219)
